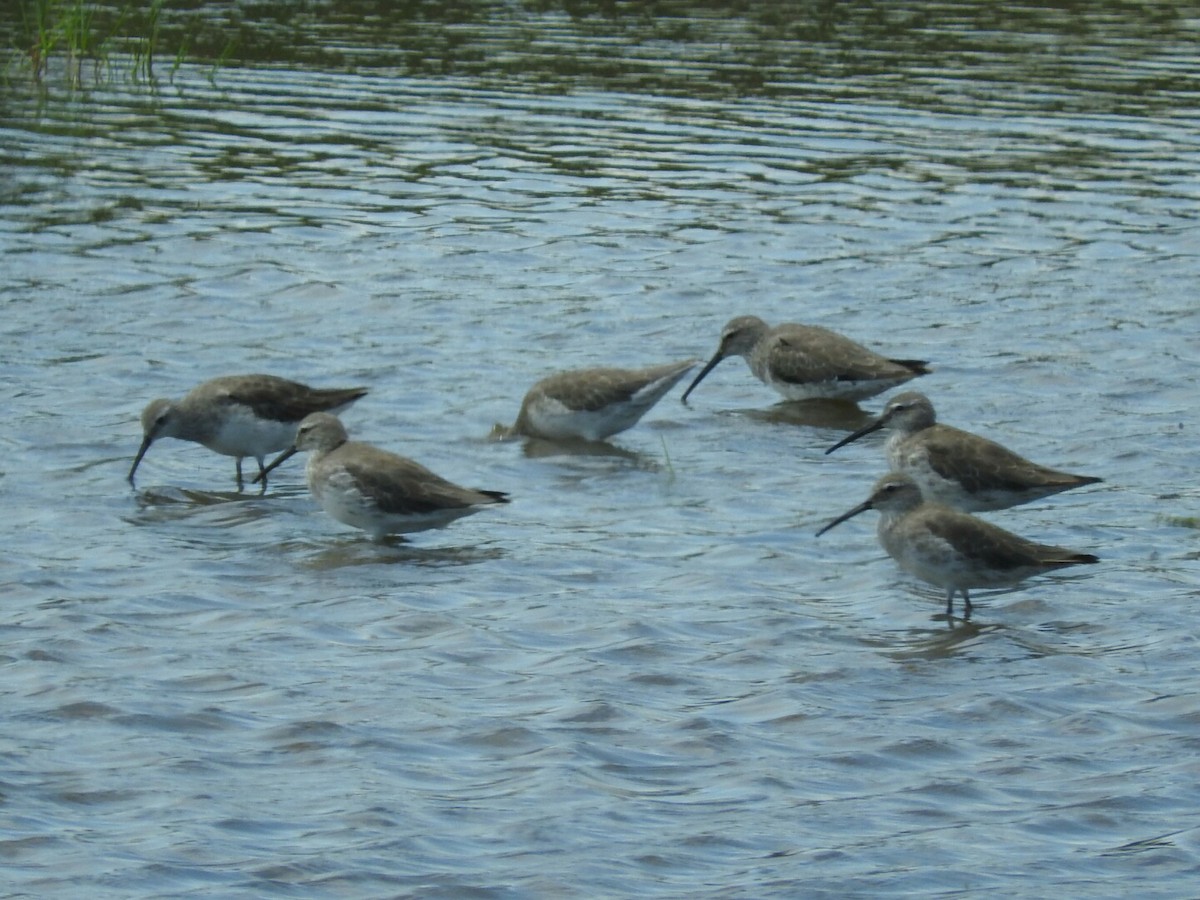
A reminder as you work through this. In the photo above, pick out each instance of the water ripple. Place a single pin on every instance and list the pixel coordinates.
(644, 675)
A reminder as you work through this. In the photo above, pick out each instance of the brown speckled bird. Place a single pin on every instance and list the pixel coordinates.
(952, 549)
(240, 416)
(956, 467)
(806, 362)
(372, 489)
(593, 404)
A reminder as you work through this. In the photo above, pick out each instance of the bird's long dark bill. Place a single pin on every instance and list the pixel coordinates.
(855, 435)
(708, 367)
(271, 466)
(146, 442)
(862, 507)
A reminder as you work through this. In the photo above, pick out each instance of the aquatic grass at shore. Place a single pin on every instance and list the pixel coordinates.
(90, 39)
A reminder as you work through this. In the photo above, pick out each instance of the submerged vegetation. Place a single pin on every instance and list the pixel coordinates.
(86, 39)
(747, 46)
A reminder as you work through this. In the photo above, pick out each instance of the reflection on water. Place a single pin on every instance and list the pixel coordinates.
(341, 552)
(930, 52)
(539, 448)
(190, 512)
(1116, 57)
(647, 648)
(837, 414)
(954, 640)
(151, 497)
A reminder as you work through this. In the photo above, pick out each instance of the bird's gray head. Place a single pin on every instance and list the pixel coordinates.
(909, 411)
(320, 431)
(158, 420)
(894, 492)
(738, 338)
(739, 335)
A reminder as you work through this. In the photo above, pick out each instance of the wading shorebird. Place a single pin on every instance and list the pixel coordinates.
(240, 416)
(956, 467)
(952, 549)
(592, 404)
(369, 488)
(806, 362)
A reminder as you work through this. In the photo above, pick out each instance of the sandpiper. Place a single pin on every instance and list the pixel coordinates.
(240, 416)
(372, 489)
(806, 362)
(592, 404)
(956, 467)
(952, 549)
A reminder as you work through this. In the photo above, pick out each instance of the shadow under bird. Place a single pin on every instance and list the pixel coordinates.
(380, 492)
(952, 549)
(240, 416)
(593, 404)
(956, 467)
(807, 362)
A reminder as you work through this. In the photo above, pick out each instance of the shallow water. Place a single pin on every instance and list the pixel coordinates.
(645, 675)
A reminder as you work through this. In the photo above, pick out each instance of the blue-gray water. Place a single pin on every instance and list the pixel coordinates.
(644, 677)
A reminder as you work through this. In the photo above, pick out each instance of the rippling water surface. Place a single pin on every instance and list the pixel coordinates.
(645, 676)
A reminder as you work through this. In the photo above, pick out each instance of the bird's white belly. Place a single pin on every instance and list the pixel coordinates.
(832, 389)
(552, 419)
(241, 433)
(925, 555)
